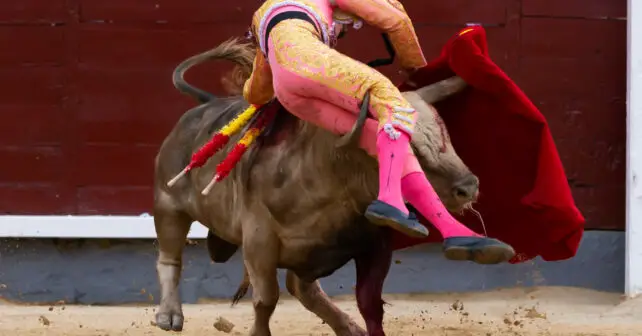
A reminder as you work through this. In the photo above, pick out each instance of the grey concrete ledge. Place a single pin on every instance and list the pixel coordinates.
(117, 272)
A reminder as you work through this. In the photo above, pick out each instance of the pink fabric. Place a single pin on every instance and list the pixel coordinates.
(417, 191)
(392, 155)
(336, 119)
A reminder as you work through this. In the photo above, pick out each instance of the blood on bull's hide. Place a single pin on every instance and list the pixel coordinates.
(276, 203)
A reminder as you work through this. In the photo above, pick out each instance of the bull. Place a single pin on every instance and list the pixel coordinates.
(275, 203)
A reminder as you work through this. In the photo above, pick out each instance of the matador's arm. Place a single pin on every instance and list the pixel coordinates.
(391, 17)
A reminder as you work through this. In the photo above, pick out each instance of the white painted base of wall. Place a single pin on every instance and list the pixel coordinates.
(127, 227)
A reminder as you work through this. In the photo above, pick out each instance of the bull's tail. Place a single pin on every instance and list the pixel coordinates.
(244, 286)
(233, 50)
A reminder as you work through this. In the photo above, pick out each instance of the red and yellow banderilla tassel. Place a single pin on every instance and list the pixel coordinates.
(217, 142)
(225, 167)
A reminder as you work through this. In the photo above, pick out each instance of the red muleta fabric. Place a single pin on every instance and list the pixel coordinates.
(525, 199)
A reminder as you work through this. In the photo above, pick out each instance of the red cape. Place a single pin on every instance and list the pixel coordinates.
(525, 199)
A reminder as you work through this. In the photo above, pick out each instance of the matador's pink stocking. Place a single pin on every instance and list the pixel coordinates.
(392, 157)
(417, 191)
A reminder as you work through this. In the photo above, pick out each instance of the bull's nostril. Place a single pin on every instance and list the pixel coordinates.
(467, 189)
(461, 193)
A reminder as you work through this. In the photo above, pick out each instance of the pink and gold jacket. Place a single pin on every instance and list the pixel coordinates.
(387, 15)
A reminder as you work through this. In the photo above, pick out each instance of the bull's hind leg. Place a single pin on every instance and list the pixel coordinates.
(260, 254)
(171, 230)
(314, 299)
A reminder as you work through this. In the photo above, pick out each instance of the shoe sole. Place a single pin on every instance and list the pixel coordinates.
(385, 221)
(489, 255)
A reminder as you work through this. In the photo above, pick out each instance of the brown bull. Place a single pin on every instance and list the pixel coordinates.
(276, 203)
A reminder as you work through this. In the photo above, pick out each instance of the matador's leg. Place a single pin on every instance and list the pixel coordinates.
(320, 85)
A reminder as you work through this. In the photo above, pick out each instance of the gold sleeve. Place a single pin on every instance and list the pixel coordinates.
(391, 17)
(258, 88)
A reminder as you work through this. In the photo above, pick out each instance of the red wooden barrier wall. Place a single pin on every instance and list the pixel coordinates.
(86, 95)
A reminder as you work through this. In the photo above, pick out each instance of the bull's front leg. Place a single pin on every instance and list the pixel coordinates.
(171, 230)
(314, 299)
(260, 254)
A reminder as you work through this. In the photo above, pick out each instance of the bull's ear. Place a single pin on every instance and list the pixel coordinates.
(441, 90)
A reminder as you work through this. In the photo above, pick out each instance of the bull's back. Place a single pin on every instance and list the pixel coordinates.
(194, 128)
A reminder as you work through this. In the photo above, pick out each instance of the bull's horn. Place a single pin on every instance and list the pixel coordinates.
(209, 186)
(441, 90)
(177, 177)
(352, 137)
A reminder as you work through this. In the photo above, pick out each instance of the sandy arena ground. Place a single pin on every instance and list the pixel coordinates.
(536, 311)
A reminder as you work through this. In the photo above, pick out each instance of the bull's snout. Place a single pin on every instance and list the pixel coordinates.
(466, 189)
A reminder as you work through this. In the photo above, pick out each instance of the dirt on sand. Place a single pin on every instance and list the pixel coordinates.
(533, 311)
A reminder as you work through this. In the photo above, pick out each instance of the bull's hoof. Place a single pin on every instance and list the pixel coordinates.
(350, 329)
(355, 330)
(170, 321)
(482, 250)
